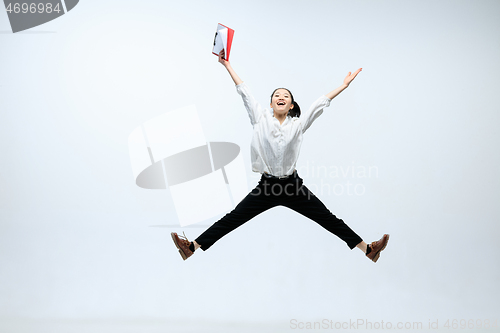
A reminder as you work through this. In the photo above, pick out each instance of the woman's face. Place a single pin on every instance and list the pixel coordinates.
(281, 102)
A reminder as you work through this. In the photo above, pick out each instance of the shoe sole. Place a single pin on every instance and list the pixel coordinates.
(183, 255)
(378, 253)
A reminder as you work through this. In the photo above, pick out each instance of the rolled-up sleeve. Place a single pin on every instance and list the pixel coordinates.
(314, 111)
(254, 109)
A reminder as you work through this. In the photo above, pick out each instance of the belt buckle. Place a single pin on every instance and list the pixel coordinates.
(276, 177)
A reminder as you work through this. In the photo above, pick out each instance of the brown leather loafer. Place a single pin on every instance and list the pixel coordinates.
(377, 247)
(182, 245)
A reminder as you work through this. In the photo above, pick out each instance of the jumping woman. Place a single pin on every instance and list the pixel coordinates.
(277, 137)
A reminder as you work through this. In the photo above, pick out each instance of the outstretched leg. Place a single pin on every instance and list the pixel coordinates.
(307, 204)
(252, 205)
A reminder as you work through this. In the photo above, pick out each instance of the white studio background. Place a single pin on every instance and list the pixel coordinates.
(81, 244)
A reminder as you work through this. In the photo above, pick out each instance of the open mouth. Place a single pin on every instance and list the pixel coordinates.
(280, 103)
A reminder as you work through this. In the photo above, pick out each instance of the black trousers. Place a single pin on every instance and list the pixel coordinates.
(271, 192)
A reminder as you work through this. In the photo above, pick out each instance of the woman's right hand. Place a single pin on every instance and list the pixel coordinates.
(230, 69)
(224, 62)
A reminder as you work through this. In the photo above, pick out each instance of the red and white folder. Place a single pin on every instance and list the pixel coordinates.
(223, 40)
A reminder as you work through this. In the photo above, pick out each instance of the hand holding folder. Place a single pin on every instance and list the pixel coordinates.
(223, 40)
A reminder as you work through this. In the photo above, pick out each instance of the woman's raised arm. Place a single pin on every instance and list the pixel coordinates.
(230, 69)
(347, 81)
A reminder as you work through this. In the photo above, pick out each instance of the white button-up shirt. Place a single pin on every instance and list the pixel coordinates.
(275, 147)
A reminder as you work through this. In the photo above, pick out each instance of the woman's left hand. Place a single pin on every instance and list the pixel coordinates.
(348, 79)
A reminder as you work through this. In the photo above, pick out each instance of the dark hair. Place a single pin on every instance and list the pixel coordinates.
(295, 111)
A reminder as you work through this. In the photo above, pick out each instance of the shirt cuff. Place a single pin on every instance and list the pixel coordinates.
(242, 88)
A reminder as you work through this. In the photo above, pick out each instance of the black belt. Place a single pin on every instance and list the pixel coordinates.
(279, 177)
